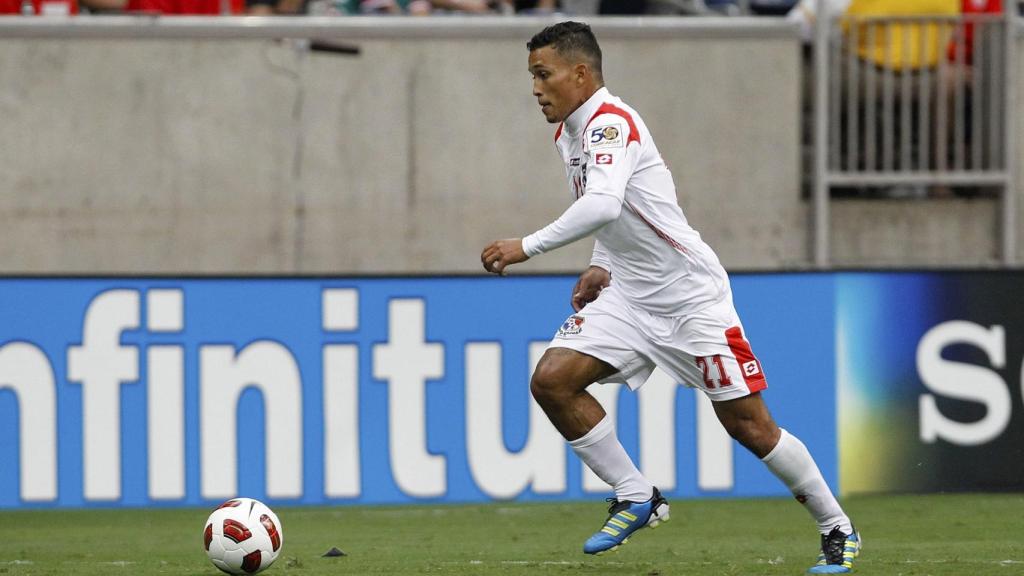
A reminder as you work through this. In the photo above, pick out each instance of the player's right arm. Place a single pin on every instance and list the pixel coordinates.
(612, 149)
(583, 218)
(589, 286)
(600, 256)
(594, 279)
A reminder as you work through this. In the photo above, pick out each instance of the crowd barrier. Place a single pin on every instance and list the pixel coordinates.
(905, 103)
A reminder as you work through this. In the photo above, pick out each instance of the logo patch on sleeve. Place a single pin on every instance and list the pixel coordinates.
(609, 136)
(603, 158)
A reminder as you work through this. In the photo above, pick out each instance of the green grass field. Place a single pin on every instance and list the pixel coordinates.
(964, 535)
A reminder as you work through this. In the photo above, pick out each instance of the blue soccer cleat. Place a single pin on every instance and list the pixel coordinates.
(838, 551)
(624, 518)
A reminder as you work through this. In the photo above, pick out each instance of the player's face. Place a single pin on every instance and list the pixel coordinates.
(557, 84)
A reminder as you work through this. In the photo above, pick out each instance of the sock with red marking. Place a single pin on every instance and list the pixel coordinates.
(792, 463)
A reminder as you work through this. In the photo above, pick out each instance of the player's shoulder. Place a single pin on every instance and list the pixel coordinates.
(613, 107)
(612, 124)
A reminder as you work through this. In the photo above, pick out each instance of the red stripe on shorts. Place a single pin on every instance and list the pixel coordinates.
(749, 366)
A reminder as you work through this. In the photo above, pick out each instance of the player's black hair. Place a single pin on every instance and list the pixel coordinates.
(570, 39)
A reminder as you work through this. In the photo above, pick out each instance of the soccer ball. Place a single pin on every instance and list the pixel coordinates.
(243, 536)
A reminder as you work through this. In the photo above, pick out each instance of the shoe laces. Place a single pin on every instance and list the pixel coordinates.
(833, 545)
(616, 505)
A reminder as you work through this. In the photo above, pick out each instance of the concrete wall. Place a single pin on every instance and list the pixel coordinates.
(134, 151)
(245, 155)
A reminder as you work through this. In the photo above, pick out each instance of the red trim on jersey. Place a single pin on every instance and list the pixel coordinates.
(606, 108)
(746, 359)
(670, 240)
(558, 133)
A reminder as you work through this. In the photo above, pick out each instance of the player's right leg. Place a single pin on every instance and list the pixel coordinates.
(559, 386)
(593, 346)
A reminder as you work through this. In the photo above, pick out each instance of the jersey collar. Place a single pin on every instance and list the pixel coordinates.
(576, 121)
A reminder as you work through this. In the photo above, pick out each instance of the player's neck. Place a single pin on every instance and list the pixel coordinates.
(577, 119)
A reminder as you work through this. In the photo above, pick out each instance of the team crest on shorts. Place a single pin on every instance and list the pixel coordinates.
(572, 325)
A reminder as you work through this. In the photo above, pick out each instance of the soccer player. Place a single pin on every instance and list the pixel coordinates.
(654, 294)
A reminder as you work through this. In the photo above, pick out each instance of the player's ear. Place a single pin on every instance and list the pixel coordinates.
(580, 73)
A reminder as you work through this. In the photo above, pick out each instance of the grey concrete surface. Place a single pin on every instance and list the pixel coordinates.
(250, 155)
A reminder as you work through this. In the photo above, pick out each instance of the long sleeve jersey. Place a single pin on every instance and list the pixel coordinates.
(624, 195)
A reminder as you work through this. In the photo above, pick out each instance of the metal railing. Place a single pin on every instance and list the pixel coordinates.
(920, 101)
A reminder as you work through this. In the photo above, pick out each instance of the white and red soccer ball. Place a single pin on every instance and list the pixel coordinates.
(243, 536)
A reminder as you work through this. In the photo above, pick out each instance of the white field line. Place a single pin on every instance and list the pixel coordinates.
(571, 563)
(940, 561)
(773, 561)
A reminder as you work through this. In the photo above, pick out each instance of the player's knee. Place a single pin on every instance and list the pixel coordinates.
(543, 385)
(550, 383)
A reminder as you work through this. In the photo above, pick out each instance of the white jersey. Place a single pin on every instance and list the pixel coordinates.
(625, 196)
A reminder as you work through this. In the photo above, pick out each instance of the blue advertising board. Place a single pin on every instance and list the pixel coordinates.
(930, 374)
(174, 392)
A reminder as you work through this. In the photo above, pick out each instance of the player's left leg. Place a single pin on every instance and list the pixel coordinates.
(709, 351)
(748, 421)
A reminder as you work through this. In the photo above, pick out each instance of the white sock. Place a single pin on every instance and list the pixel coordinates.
(601, 450)
(792, 463)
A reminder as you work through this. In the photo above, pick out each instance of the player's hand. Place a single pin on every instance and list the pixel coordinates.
(590, 284)
(500, 254)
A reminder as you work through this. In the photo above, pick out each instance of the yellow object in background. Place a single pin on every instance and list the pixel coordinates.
(899, 45)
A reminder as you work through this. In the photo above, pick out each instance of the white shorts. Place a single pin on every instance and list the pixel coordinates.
(705, 350)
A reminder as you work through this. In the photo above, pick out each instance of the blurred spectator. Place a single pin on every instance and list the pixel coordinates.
(904, 49)
(469, 6)
(972, 7)
(67, 7)
(420, 7)
(772, 7)
(346, 7)
(181, 7)
(533, 6)
(804, 14)
(580, 7)
(728, 7)
(412, 7)
(274, 7)
(898, 46)
(44, 7)
(964, 51)
(612, 7)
